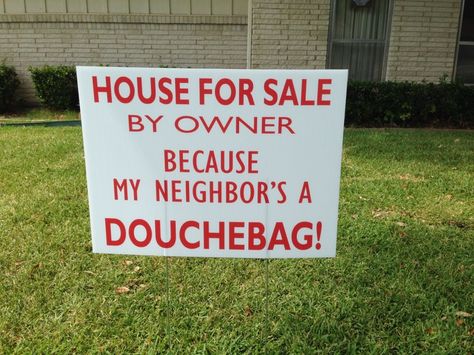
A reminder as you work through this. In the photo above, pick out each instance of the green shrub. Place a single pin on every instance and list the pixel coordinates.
(8, 85)
(406, 104)
(56, 86)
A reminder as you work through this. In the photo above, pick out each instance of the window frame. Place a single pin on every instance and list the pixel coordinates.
(388, 31)
(460, 43)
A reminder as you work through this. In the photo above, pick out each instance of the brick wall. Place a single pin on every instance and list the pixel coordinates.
(423, 39)
(289, 33)
(120, 40)
(284, 34)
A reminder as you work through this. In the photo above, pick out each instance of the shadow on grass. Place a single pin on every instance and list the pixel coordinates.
(398, 146)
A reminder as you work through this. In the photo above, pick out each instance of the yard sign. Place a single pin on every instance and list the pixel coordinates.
(212, 162)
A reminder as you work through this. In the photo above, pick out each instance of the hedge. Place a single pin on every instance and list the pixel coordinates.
(369, 104)
(56, 86)
(406, 104)
(8, 84)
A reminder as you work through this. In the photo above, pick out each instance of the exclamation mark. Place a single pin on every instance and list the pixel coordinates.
(319, 227)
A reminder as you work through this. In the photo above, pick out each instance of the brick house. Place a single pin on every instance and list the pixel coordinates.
(375, 39)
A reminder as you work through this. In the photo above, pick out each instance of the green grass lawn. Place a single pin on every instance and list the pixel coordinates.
(402, 281)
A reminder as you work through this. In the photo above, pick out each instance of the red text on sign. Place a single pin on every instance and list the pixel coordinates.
(234, 124)
(278, 93)
(121, 187)
(226, 91)
(232, 235)
(136, 123)
(201, 161)
(150, 90)
(247, 192)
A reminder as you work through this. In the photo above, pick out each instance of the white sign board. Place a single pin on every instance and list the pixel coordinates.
(213, 163)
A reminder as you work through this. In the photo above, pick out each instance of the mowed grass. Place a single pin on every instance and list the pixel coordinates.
(402, 281)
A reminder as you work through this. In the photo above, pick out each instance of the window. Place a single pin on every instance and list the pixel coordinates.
(465, 58)
(358, 37)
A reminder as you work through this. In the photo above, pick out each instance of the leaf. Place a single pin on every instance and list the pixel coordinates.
(122, 289)
(430, 331)
(401, 224)
(128, 262)
(38, 266)
(463, 314)
(459, 322)
(378, 214)
(248, 311)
